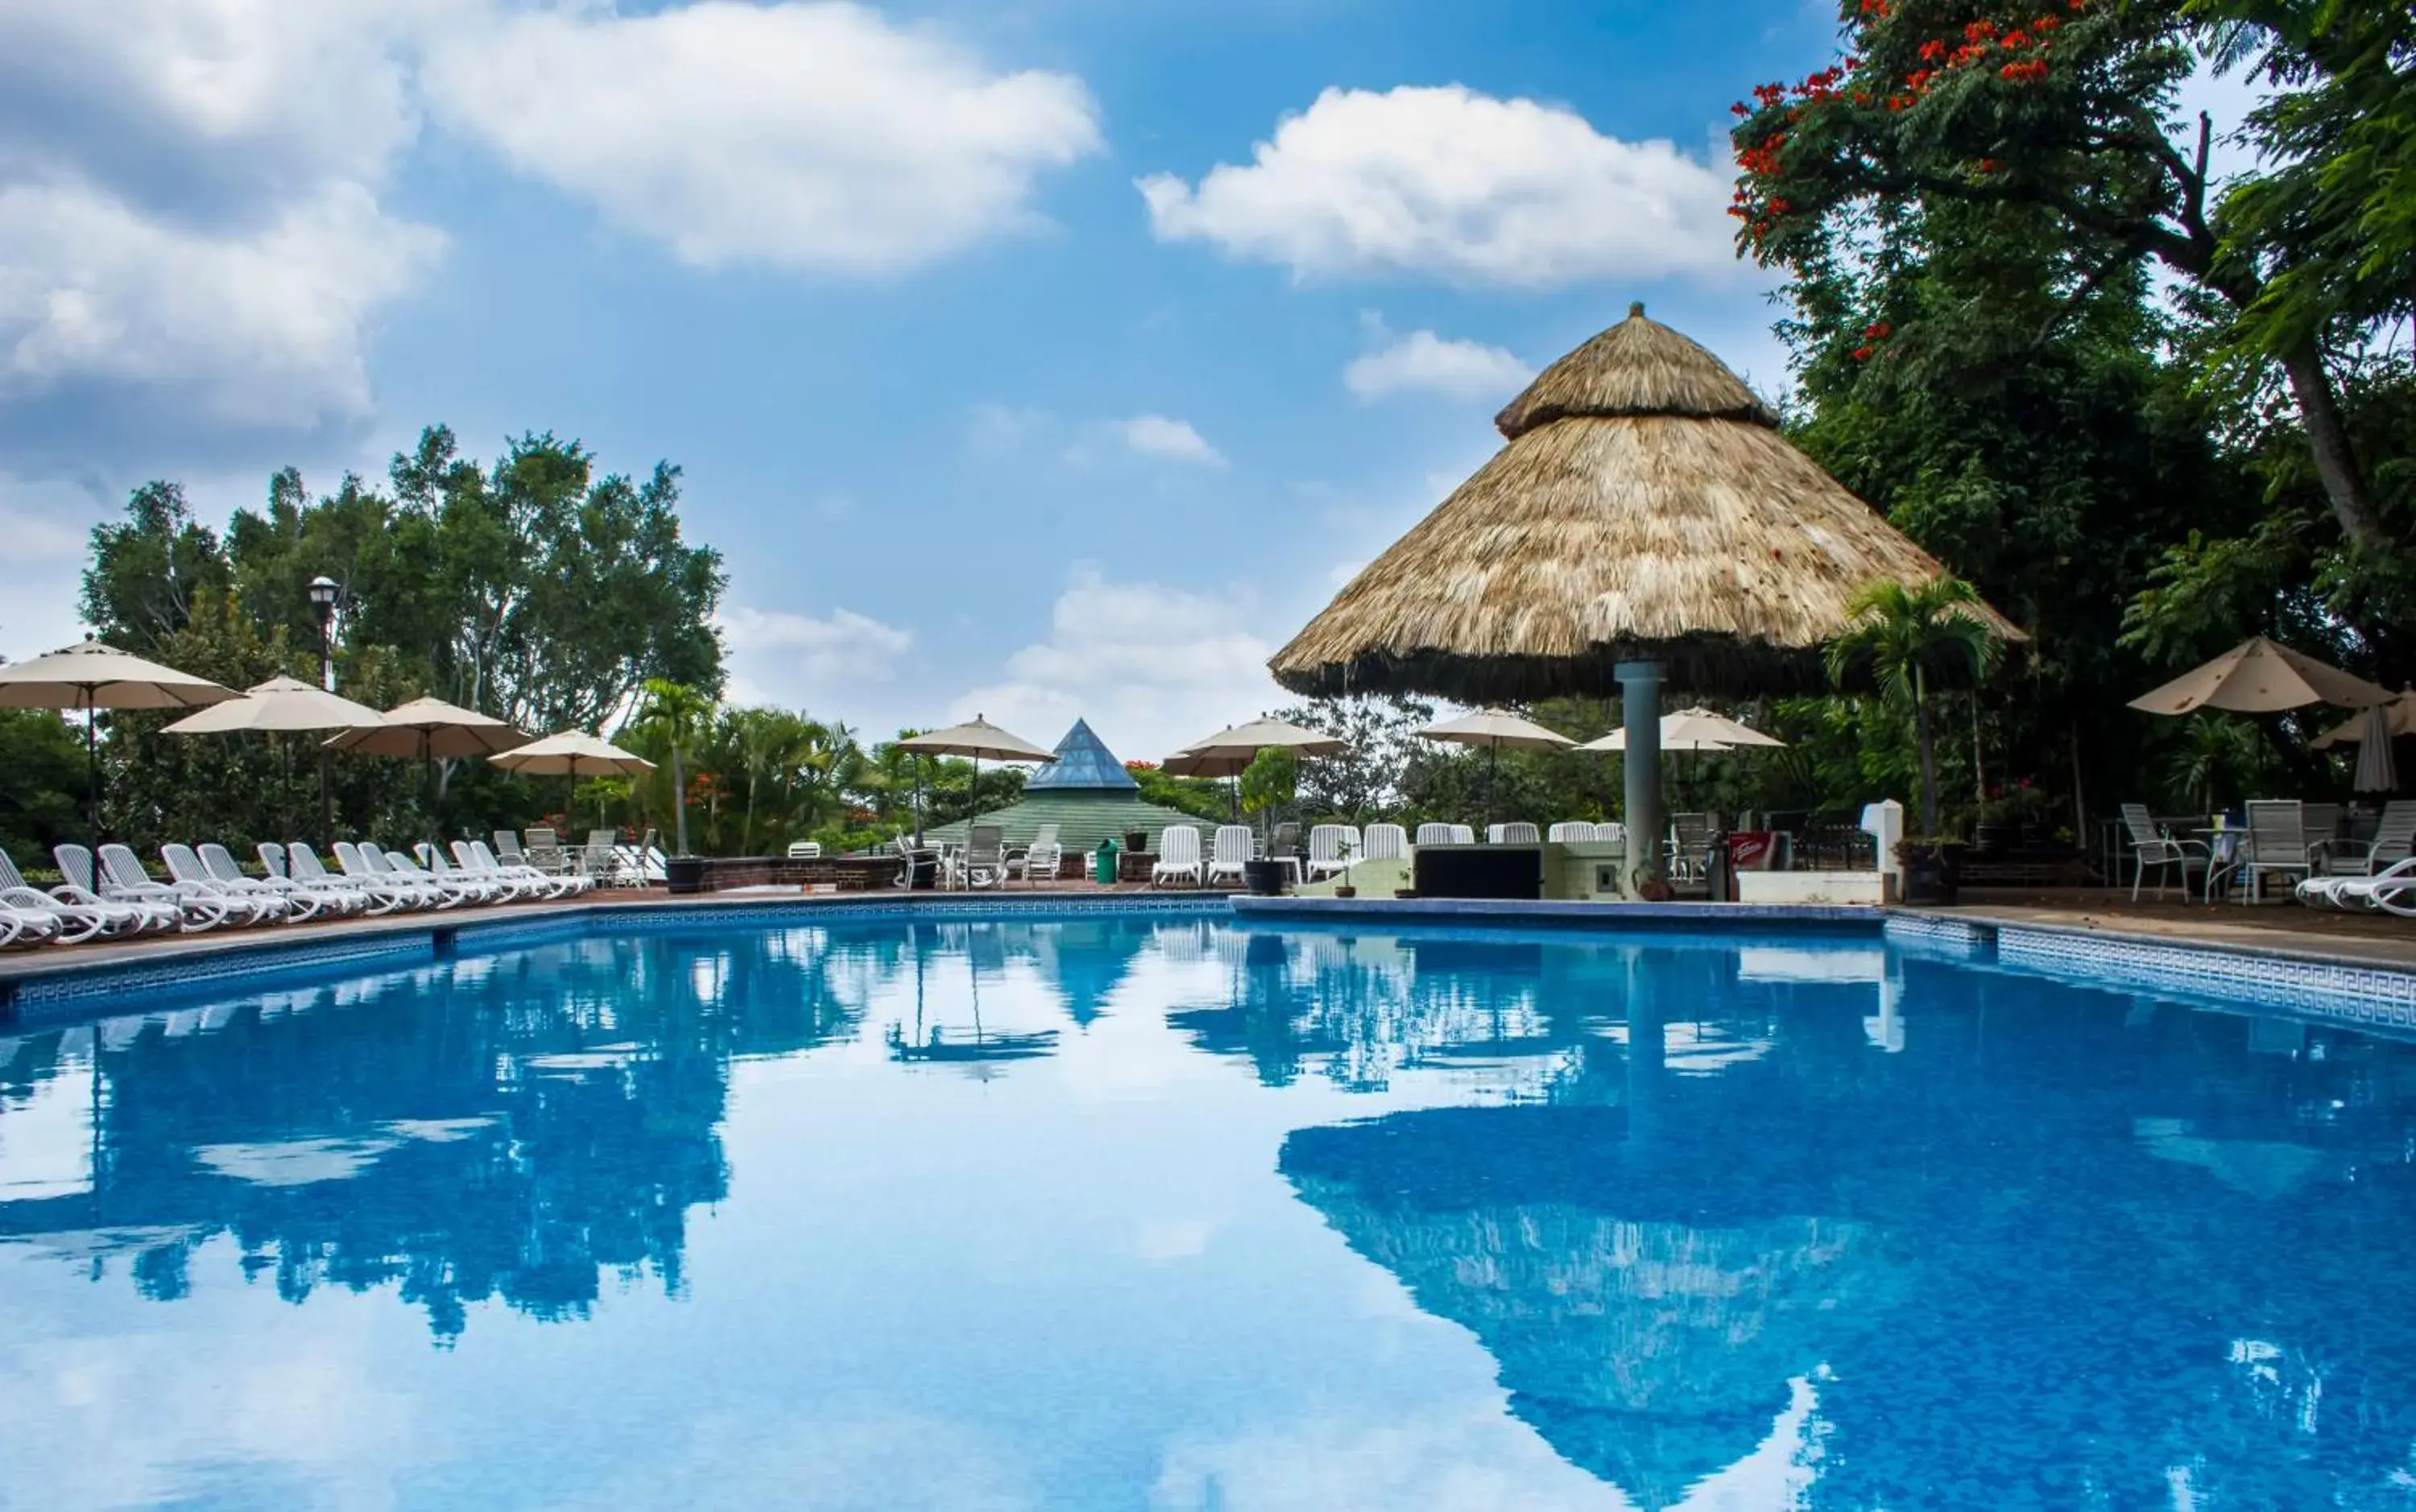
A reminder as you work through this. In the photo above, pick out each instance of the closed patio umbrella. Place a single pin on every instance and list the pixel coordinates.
(284, 704)
(92, 675)
(2377, 770)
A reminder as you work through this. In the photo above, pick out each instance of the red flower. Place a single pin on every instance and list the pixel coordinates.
(1861, 353)
(1740, 108)
(2016, 40)
(2046, 23)
(1932, 50)
(1979, 31)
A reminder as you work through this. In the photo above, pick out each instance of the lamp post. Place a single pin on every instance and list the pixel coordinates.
(323, 594)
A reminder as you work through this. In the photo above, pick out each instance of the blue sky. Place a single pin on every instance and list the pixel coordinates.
(1038, 359)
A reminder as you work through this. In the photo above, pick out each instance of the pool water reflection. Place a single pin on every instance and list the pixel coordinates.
(1112, 1211)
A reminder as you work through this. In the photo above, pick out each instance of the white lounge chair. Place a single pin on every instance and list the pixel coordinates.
(1515, 833)
(521, 883)
(1330, 847)
(2150, 845)
(121, 879)
(361, 865)
(217, 866)
(498, 889)
(30, 924)
(1385, 843)
(2356, 893)
(457, 891)
(1569, 831)
(1233, 849)
(382, 895)
(80, 915)
(1434, 835)
(302, 900)
(1178, 857)
(252, 904)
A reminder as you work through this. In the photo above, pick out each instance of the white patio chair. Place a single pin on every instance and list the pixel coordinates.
(597, 860)
(1385, 843)
(1434, 835)
(2150, 845)
(1234, 849)
(1515, 833)
(1690, 848)
(1329, 850)
(2277, 842)
(80, 915)
(982, 861)
(1569, 831)
(1039, 860)
(1178, 857)
(121, 879)
(2395, 840)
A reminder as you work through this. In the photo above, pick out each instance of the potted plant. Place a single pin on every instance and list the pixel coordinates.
(1266, 785)
(1933, 869)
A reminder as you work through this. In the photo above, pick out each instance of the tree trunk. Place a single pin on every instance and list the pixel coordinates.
(1929, 767)
(2335, 462)
(679, 800)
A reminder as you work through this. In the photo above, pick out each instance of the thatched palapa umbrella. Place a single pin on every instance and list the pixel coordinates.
(1645, 523)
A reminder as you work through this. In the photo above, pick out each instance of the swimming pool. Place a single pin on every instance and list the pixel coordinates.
(1136, 1211)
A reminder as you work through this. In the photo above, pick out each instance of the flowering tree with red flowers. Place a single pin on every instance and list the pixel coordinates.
(2053, 113)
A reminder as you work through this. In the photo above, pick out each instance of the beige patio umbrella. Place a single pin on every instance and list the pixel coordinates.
(1230, 752)
(2259, 676)
(1693, 729)
(571, 752)
(1496, 731)
(2399, 718)
(977, 739)
(1646, 522)
(91, 675)
(431, 729)
(283, 705)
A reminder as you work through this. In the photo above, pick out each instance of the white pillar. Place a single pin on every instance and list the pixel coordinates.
(1640, 686)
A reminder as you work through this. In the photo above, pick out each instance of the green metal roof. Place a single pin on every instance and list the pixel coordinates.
(1083, 816)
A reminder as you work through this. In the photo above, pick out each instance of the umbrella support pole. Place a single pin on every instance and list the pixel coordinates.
(1640, 686)
(92, 770)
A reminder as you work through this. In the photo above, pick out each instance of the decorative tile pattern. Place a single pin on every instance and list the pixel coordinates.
(1950, 939)
(80, 992)
(2359, 994)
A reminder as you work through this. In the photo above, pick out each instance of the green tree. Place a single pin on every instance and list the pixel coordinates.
(2054, 117)
(147, 568)
(1379, 736)
(675, 716)
(40, 803)
(1903, 637)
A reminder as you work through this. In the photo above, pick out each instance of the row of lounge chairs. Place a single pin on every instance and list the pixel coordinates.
(1334, 848)
(110, 895)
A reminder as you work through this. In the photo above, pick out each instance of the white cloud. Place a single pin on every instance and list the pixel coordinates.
(267, 327)
(804, 135)
(1150, 666)
(1451, 183)
(794, 660)
(1423, 362)
(1155, 435)
(190, 225)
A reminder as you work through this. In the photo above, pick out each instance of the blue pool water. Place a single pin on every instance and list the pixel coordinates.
(1117, 1211)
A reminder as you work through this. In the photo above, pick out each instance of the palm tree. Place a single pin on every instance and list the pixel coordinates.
(673, 712)
(1900, 634)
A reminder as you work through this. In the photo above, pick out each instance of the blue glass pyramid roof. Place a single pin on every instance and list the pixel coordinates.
(1083, 763)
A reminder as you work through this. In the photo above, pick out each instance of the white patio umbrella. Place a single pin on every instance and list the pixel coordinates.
(283, 705)
(2378, 769)
(569, 754)
(978, 740)
(1693, 729)
(431, 728)
(1230, 752)
(91, 675)
(1496, 731)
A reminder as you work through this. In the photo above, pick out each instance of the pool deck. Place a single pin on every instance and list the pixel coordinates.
(2273, 931)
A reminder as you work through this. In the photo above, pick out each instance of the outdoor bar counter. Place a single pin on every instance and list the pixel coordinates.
(1547, 869)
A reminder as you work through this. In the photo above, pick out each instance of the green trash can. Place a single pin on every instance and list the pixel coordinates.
(1103, 863)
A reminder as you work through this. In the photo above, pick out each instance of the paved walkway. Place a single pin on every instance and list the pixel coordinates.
(2362, 939)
